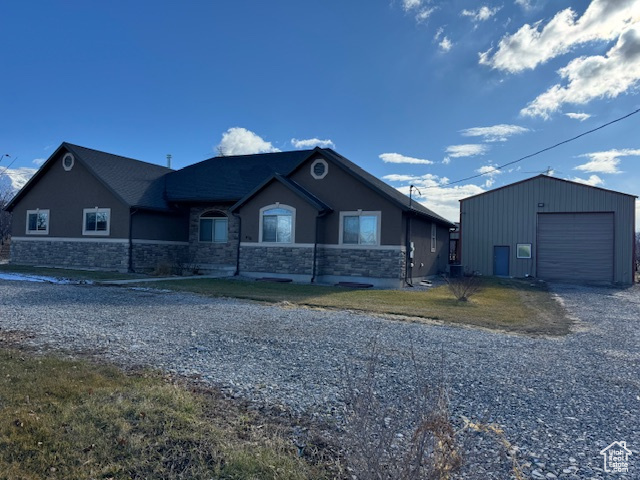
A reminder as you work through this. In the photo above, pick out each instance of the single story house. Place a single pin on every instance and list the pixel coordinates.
(552, 229)
(308, 215)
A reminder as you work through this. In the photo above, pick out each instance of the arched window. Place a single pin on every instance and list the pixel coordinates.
(277, 224)
(214, 227)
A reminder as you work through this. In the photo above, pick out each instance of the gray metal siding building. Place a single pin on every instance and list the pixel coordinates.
(552, 229)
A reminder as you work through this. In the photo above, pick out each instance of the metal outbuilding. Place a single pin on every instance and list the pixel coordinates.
(552, 229)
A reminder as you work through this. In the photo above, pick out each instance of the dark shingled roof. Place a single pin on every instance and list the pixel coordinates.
(390, 192)
(138, 184)
(296, 188)
(228, 179)
(219, 179)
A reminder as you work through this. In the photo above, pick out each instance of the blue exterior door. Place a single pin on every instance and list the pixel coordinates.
(501, 260)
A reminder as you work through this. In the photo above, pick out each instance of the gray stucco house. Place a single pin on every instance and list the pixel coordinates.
(308, 215)
(552, 229)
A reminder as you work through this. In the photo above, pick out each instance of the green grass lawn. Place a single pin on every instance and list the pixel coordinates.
(68, 419)
(512, 305)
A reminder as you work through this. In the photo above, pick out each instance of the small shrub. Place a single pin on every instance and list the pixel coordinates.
(463, 287)
(163, 269)
(187, 264)
(409, 439)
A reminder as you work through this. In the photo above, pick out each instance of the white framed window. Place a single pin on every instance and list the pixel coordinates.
(319, 169)
(37, 222)
(523, 250)
(360, 228)
(434, 237)
(214, 227)
(96, 221)
(277, 224)
(67, 161)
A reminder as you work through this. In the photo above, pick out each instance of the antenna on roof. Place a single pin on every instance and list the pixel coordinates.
(411, 188)
(548, 171)
(168, 160)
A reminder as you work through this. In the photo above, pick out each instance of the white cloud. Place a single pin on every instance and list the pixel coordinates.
(446, 160)
(398, 158)
(424, 14)
(495, 133)
(435, 196)
(13, 179)
(593, 77)
(489, 172)
(593, 180)
(411, 4)
(606, 162)
(438, 34)
(526, 4)
(240, 141)
(312, 142)
(578, 116)
(445, 45)
(531, 45)
(467, 150)
(482, 14)
(394, 177)
(38, 161)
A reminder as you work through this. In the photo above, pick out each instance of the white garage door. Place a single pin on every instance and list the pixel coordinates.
(576, 247)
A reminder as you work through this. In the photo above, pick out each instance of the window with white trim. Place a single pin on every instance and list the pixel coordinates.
(214, 227)
(523, 250)
(434, 239)
(319, 169)
(277, 224)
(360, 228)
(37, 222)
(96, 221)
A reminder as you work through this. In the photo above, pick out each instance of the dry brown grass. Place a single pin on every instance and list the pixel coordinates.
(411, 439)
(519, 306)
(67, 419)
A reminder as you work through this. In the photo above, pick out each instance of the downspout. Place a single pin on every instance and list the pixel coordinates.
(634, 256)
(132, 212)
(408, 259)
(237, 272)
(315, 246)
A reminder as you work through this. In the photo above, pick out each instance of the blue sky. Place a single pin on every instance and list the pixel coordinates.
(422, 92)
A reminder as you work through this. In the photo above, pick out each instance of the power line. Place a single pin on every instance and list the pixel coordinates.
(498, 168)
(7, 167)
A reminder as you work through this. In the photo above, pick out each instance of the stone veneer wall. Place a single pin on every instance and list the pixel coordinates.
(361, 262)
(204, 253)
(281, 260)
(147, 257)
(60, 253)
(346, 262)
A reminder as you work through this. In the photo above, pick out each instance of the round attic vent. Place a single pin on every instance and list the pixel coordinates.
(67, 161)
(319, 169)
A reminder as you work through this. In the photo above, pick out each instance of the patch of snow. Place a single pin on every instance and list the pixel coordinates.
(35, 278)
(152, 290)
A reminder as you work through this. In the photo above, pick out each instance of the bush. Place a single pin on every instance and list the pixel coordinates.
(463, 287)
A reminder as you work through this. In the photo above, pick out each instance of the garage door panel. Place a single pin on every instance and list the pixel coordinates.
(576, 247)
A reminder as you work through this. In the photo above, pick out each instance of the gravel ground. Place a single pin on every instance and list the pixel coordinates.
(559, 401)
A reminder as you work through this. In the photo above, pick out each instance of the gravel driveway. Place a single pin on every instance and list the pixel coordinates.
(559, 401)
